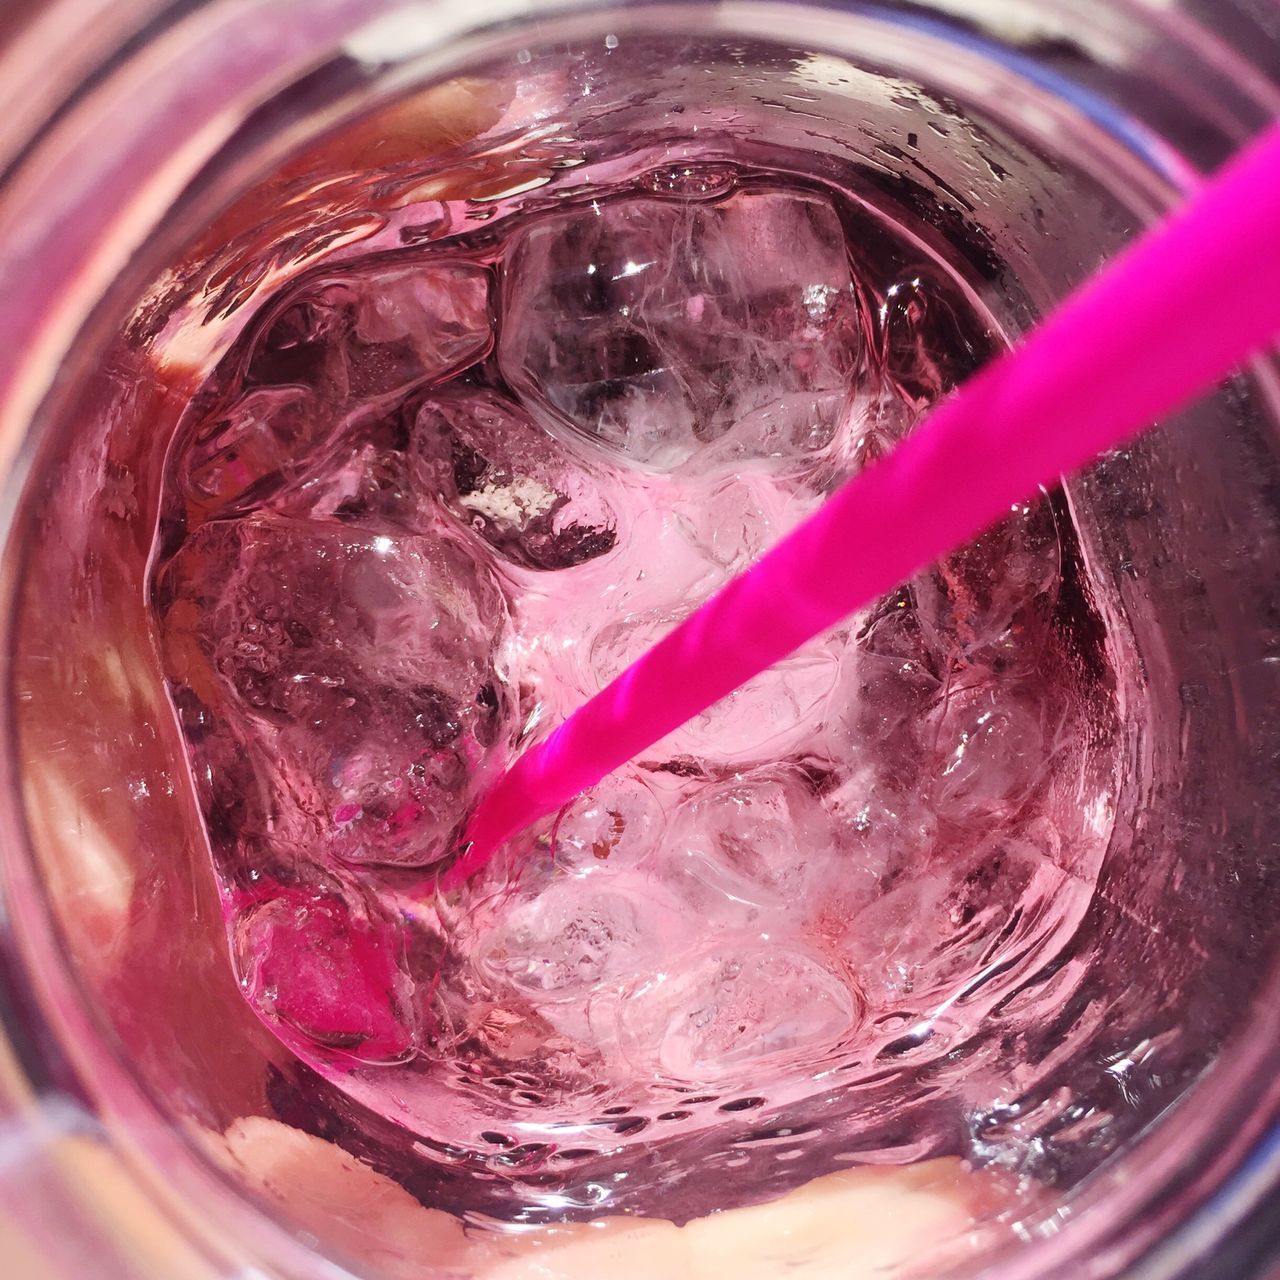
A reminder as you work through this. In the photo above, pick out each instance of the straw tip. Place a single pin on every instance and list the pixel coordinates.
(469, 860)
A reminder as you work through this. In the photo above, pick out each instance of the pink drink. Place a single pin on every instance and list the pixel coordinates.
(431, 502)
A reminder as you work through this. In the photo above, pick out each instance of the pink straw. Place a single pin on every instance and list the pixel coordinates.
(1177, 311)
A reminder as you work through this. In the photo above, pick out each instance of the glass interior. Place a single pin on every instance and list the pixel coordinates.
(1125, 1066)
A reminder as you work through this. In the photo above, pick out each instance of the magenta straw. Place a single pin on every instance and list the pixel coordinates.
(1175, 313)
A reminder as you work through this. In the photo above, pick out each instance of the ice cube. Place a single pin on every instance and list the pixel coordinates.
(361, 667)
(417, 322)
(324, 361)
(255, 447)
(301, 342)
(656, 327)
(565, 941)
(330, 970)
(616, 824)
(939, 915)
(372, 331)
(513, 483)
(878, 837)
(887, 685)
(367, 480)
(991, 750)
(735, 521)
(741, 1007)
(880, 830)
(890, 941)
(981, 599)
(930, 343)
(760, 839)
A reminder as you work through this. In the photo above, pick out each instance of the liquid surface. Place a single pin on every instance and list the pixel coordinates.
(431, 502)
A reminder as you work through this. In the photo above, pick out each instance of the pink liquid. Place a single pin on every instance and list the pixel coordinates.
(1025, 422)
(430, 504)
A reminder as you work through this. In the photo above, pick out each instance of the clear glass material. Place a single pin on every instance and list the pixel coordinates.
(189, 161)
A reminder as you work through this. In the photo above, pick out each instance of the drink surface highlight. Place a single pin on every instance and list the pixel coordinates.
(432, 501)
